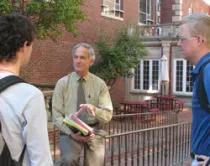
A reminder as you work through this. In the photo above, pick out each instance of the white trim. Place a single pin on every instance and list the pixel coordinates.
(146, 13)
(116, 11)
(183, 92)
(141, 78)
(114, 17)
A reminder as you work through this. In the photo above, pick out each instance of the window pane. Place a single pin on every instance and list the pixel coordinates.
(109, 7)
(112, 8)
(179, 76)
(142, 17)
(189, 82)
(148, 6)
(121, 4)
(155, 75)
(146, 75)
(143, 6)
(137, 83)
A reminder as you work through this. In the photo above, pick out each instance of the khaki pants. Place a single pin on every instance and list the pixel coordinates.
(94, 151)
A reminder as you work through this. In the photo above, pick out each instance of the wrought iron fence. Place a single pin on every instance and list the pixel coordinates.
(131, 122)
(137, 139)
(161, 146)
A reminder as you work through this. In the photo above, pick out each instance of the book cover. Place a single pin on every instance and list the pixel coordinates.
(79, 125)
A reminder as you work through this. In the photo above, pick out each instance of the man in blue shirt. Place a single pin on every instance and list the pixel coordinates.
(194, 38)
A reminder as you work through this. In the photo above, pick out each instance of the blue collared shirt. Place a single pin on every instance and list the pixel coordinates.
(200, 139)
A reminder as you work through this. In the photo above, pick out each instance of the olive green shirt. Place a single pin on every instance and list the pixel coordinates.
(64, 100)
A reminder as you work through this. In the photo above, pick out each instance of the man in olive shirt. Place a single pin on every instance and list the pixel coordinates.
(97, 103)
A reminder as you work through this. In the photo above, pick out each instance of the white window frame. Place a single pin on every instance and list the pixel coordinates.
(183, 92)
(150, 90)
(105, 9)
(147, 13)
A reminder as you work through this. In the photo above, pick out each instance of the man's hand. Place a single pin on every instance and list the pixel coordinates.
(79, 138)
(88, 107)
(206, 161)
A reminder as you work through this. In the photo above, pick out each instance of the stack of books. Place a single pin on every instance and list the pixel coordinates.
(78, 125)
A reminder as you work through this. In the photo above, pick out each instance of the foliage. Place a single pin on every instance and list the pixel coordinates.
(50, 17)
(118, 55)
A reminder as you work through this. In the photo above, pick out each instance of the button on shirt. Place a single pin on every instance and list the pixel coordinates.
(200, 140)
(65, 100)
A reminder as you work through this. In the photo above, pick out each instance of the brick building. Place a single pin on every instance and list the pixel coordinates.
(161, 40)
(51, 61)
(173, 10)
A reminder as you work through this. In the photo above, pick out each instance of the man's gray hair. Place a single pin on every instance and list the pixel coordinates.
(199, 25)
(91, 52)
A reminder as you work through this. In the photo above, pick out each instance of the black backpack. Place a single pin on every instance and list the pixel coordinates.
(200, 90)
(5, 156)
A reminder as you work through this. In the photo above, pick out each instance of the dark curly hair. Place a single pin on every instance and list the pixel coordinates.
(15, 30)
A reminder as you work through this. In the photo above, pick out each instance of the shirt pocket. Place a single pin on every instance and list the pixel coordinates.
(92, 98)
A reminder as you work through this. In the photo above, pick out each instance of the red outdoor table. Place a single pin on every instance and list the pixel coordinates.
(169, 100)
(130, 107)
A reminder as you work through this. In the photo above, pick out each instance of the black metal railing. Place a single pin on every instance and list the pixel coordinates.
(131, 122)
(137, 139)
(166, 146)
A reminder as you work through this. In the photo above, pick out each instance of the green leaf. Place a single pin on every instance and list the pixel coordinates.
(117, 55)
(48, 16)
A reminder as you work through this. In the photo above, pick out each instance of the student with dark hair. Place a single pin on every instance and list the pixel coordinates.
(22, 108)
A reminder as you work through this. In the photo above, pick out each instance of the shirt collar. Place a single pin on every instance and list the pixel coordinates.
(200, 63)
(86, 77)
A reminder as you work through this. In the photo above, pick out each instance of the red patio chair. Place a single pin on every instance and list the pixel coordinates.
(180, 105)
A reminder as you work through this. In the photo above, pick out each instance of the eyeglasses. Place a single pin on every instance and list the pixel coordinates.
(182, 38)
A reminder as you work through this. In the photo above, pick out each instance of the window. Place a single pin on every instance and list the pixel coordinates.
(112, 8)
(147, 76)
(182, 80)
(145, 12)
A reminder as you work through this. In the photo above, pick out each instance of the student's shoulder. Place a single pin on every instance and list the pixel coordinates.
(27, 88)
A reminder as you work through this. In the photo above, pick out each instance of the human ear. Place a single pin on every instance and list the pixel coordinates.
(22, 49)
(92, 61)
(201, 40)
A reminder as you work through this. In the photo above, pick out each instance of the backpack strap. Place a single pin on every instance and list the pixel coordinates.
(22, 154)
(4, 84)
(9, 81)
(200, 89)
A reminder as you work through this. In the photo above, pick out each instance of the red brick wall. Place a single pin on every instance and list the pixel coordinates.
(198, 6)
(166, 11)
(154, 13)
(51, 61)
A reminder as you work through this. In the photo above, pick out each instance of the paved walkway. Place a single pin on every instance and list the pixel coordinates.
(185, 115)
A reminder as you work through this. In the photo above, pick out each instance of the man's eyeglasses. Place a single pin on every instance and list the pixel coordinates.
(182, 38)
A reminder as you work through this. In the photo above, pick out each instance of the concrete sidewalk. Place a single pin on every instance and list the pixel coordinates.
(185, 115)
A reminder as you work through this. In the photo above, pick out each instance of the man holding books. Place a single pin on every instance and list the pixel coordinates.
(81, 104)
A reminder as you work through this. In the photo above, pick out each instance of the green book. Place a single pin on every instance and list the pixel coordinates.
(72, 123)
